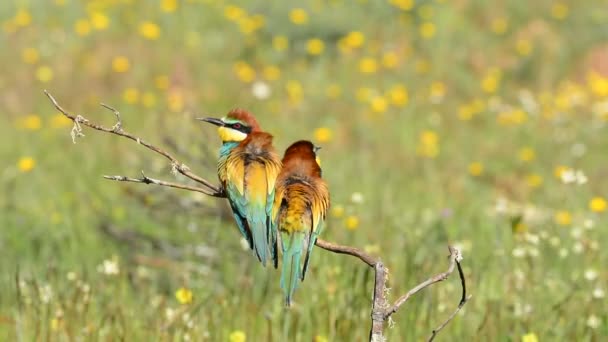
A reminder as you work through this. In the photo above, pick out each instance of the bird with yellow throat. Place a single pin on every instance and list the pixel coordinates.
(248, 167)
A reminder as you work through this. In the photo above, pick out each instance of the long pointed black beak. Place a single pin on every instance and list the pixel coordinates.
(213, 121)
(316, 148)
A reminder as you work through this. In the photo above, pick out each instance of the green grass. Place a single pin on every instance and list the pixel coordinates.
(410, 162)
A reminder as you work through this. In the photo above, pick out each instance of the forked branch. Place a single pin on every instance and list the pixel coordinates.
(381, 309)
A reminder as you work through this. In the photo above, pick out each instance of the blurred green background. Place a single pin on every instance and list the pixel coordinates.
(473, 123)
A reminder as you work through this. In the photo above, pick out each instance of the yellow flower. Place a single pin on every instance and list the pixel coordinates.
(597, 84)
(149, 30)
(368, 65)
(323, 134)
(563, 218)
(280, 43)
(168, 6)
(527, 154)
(131, 95)
(337, 211)
(23, 18)
(175, 100)
(559, 10)
(234, 13)
(529, 337)
(491, 81)
(390, 60)
(598, 204)
(237, 336)
(272, 73)
(59, 120)
(559, 171)
(30, 55)
(429, 138)
(294, 91)
(320, 338)
(26, 164)
(298, 16)
(378, 104)
(244, 72)
(438, 89)
(428, 144)
(120, 64)
(523, 47)
(534, 180)
(44, 74)
(82, 27)
(162, 82)
(476, 169)
(184, 295)
(398, 95)
(354, 39)
(427, 30)
(404, 5)
(333, 91)
(315, 46)
(100, 21)
(31, 122)
(56, 323)
(351, 222)
(500, 25)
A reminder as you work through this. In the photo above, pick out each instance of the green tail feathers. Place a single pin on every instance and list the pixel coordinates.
(260, 239)
(293, 247)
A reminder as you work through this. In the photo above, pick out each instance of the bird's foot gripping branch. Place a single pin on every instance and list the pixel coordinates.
(382, 309)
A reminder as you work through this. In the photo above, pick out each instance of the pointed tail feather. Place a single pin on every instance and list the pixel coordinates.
(260, 239)
(292, 245)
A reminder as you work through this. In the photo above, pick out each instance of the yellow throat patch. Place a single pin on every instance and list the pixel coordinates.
(229, 134)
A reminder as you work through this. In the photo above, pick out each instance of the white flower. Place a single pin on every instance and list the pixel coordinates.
(591, 274)
(169, 314)
(532, 238)
(71, 276)
(563, 253)
(357, 198)
(576, 233)
(598, 293)
(46, 293)
(578, 248)
(554, 241)
(518, 252)
(593, 322)
(244, 244)
(260, 90)
(588, 224)
(109, 267)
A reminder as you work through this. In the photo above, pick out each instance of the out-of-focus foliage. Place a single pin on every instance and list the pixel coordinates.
(477, 123)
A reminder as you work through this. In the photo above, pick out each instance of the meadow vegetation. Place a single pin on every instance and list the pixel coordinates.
(474, 123)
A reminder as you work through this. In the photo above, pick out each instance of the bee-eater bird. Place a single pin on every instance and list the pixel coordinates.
(248, 166)
(300, 205)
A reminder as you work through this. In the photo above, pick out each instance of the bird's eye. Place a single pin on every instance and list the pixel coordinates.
(236, 125)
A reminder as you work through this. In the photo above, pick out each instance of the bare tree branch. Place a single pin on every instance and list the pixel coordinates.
(453, 257)
(463, 301)
(118, 130)
(381, 310)
(147, 180)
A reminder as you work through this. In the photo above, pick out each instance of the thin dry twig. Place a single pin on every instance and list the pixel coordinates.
(453, 257)
(117, 130)
(463, 301)
(381, 311)
(147, 180)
